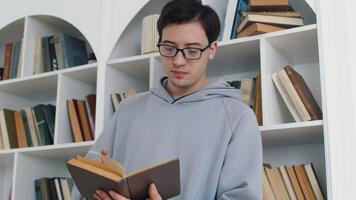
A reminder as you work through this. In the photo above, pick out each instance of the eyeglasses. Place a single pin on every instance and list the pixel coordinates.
(189, 53)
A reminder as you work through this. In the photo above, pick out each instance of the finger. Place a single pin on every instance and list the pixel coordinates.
(104, 151)
(97, 197)
(103, 195)
(116, 196)
(153, 192)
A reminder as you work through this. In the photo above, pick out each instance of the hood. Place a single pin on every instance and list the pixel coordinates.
(216, 89)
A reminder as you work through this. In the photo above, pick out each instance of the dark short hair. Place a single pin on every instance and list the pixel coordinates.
(185, 11)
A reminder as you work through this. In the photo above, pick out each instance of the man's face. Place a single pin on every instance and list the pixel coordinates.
(184, 73)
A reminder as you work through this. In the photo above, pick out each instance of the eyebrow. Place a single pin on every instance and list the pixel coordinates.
(186, 44)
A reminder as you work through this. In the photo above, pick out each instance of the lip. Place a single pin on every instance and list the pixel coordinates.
(179, 74)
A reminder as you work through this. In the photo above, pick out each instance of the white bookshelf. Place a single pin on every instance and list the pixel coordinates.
(285, 142)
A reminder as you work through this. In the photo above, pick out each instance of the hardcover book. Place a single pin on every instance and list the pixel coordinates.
(165, 175)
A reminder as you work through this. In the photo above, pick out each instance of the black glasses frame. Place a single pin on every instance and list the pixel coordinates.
(182, 51)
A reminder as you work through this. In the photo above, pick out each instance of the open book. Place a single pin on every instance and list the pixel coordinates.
(90, 175)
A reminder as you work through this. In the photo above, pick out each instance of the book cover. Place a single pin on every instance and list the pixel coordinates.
(277, 183)
(74, 51)
(242, 6)
(165, 175)
(268, 5)
(258, 28)
(74, 122)
(7, 61)
(304, 182)
(295, 183)
(281, 21)
(304, 93)
(309, 169)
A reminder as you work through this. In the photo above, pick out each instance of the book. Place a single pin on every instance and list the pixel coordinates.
(268, 5)
(7, 61)
(304, 93)
(229, 19)
(287, 100)
(295, 183)
(287, 182)
(281, 21)
(309, 169)
(277, 13)
(8, 128)
(277, 183)
(292, 93)
(257, 106)
(258, 28)
(165, 175)
(242, 6)
(20, 130)
(73, 51)
(267, 188)
(32, 126)
(304, 182)
(74, 122)
(83, 118)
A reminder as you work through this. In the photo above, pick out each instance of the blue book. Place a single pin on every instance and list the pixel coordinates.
(242, 6)
(73, 50)
(15, 59)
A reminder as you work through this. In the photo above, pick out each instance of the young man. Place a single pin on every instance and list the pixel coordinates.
(206, 125)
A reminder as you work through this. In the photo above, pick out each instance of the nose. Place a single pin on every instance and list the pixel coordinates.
(179, 59)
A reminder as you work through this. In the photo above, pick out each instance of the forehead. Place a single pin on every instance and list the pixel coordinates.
(185, 33)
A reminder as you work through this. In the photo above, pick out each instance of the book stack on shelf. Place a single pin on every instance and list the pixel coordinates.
(291, 182)
(53, 188)
(28, 127)
(251, 94)
(253, 17)
(116, 98)
(296, 95)
(266, 16)
(12, 60)
(82, 118)
(149, 35)
(59, 51)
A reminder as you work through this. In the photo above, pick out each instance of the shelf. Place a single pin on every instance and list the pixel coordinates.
(41, 88)
(292, 133)
(85, 73)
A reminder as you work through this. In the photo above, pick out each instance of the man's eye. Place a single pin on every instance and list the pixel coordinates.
(192, 51)
(168, 49)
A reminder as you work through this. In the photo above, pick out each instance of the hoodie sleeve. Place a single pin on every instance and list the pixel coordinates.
(241, 174)
(106, 139)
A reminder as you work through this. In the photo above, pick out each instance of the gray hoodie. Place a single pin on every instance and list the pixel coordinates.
(212, 132)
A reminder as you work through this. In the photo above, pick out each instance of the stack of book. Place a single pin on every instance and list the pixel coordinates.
(59, 51)
(82, 118)
(53, 188)
(266, 16)
(251, 94)
(12, 60)
(28, 127)
(118, 97)
(291, 182)
(297, 95)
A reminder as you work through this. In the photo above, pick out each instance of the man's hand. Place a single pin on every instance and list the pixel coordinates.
(152, 192)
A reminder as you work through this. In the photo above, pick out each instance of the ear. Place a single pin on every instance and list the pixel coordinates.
(212, 50)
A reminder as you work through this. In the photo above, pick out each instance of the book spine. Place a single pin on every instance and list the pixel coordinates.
(7, 61)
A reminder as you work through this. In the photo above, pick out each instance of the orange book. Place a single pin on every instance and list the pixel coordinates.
(20, 130)
(304, 182)
(74, 122)
(295, 183)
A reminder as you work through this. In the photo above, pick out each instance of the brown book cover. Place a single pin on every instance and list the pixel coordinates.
(84, 120)
(304, 182)
(74, 122)
(304, 93)
(20, 130)
(7, 61)
(277, 13)
(268, 5)
(295, 183)
(91, 99)
(258, 28)
(165, 175)
(267, 188)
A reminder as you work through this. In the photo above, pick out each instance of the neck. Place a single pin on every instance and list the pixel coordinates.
(177, 92)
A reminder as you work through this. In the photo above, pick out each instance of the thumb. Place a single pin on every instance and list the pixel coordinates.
(153, 193)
